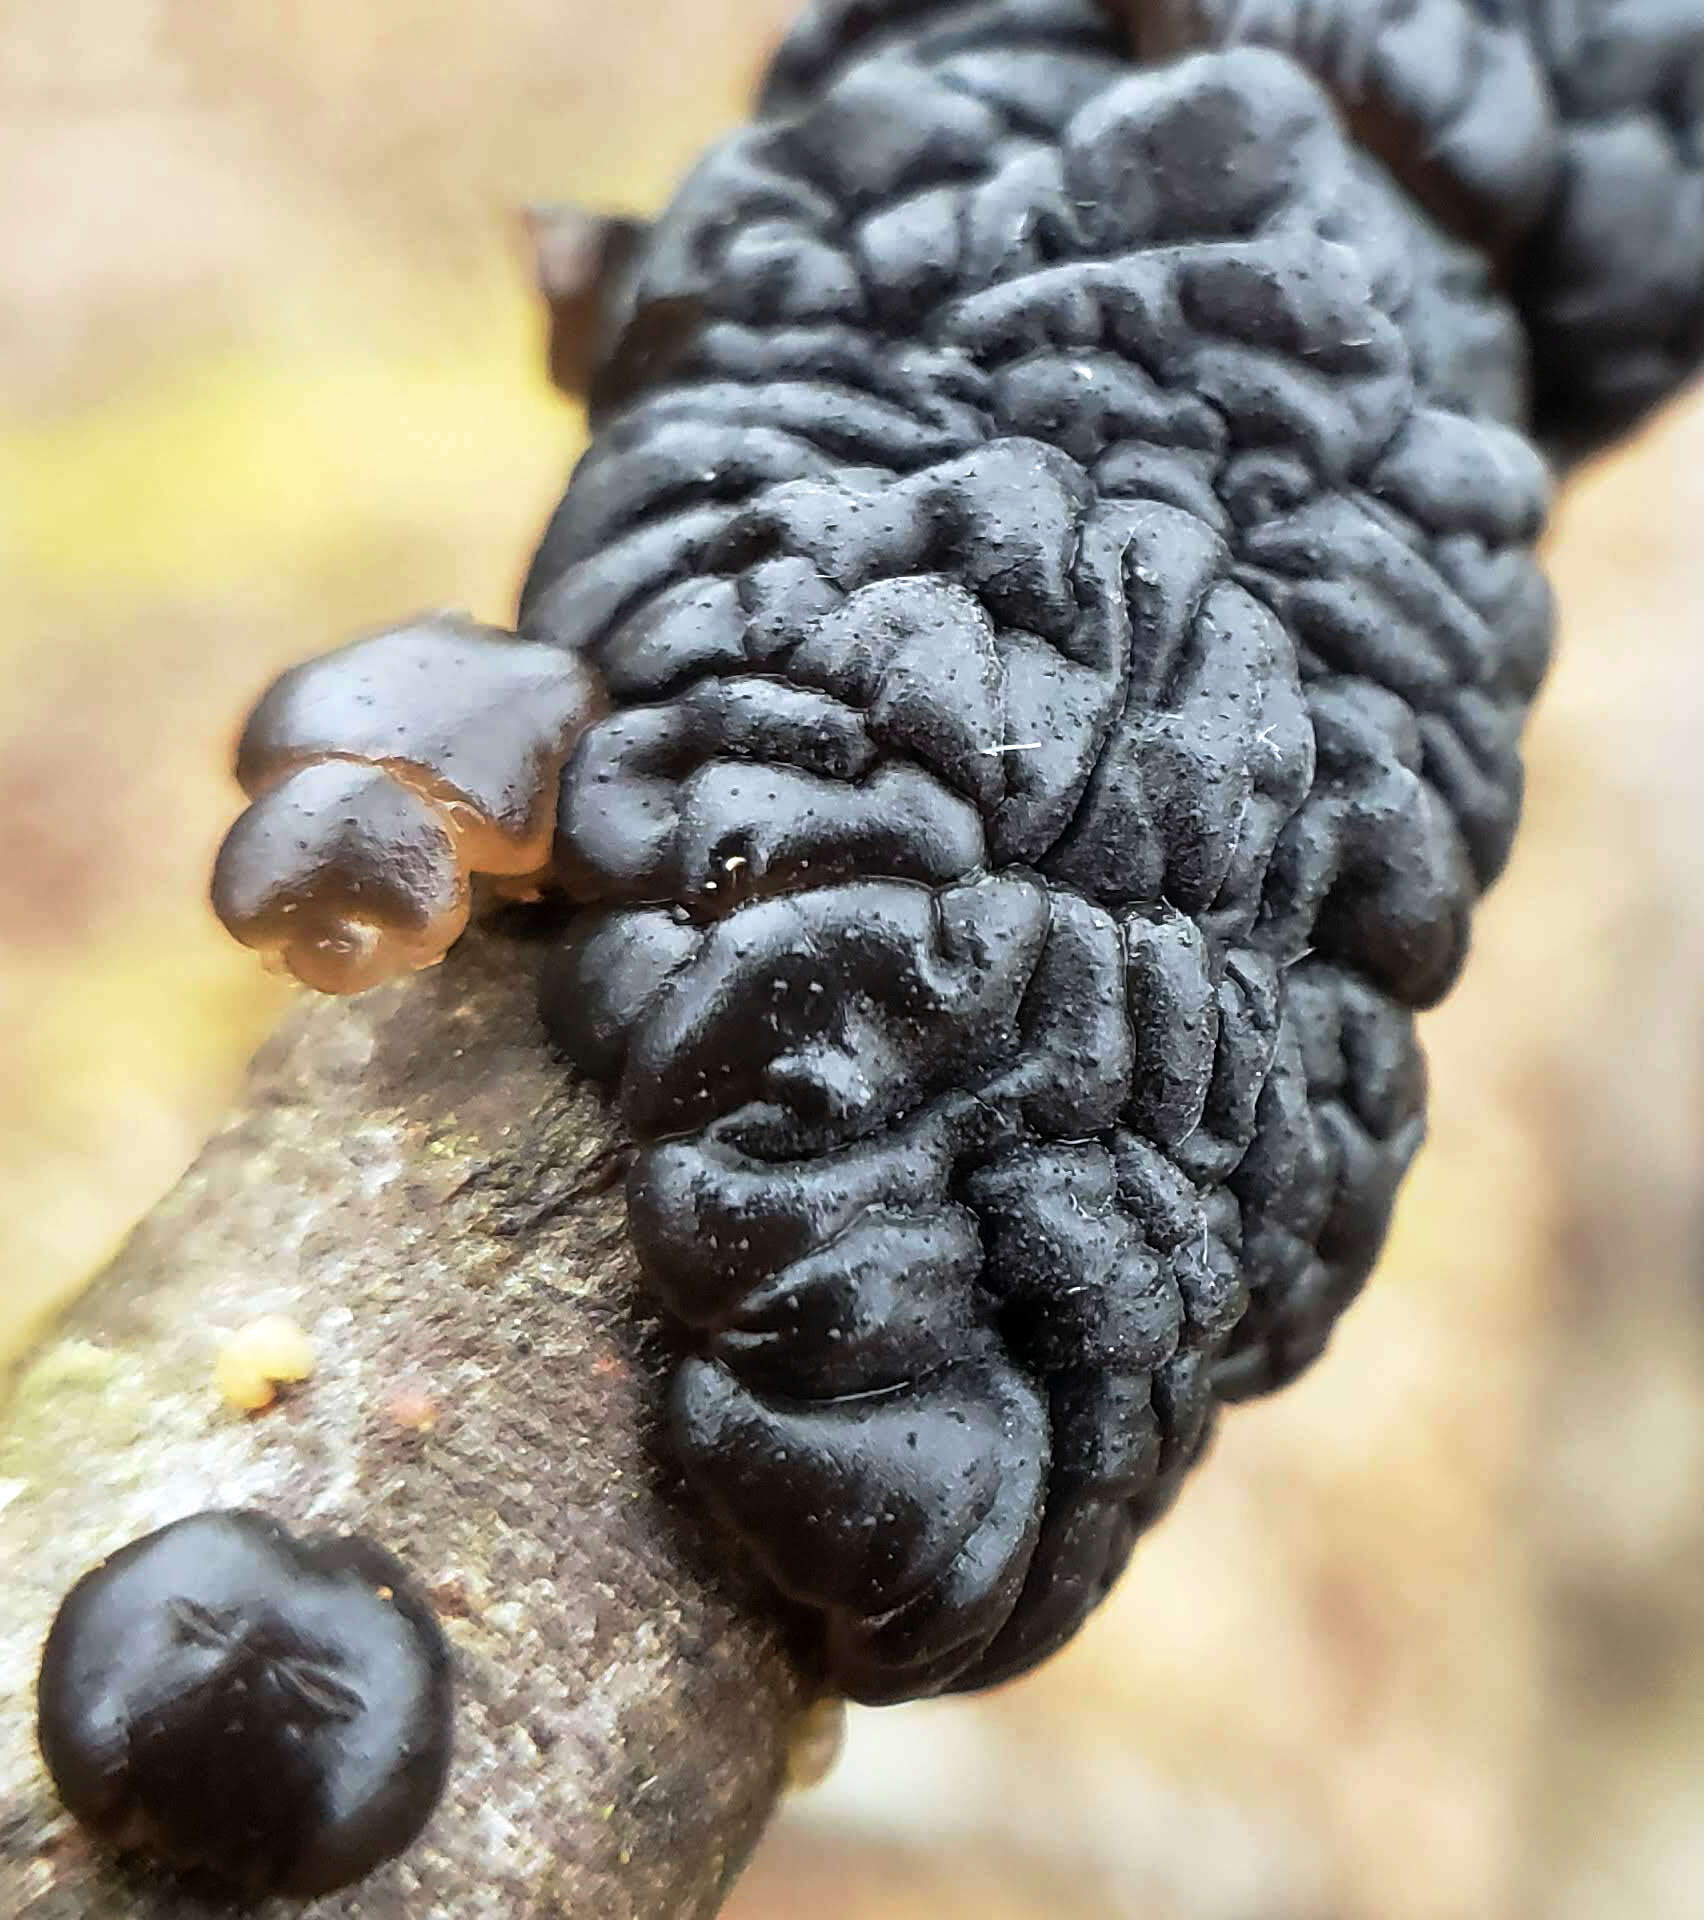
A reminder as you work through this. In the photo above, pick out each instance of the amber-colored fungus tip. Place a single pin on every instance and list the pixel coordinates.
(384, 776)
(344, 875)
(815, 1742)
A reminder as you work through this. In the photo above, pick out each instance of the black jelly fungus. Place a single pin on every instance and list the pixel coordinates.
(1086, 455)
(225, 1696)
(1053, 599)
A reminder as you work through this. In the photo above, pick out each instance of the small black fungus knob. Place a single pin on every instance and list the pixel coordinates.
(226, 1696)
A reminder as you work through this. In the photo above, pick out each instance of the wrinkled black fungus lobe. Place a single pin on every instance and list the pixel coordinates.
(1058, 538)
(228, 1697)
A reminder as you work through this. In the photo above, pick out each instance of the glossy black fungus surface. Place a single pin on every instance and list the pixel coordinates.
(225, 1696)
(1059, 544)
(1565, 139)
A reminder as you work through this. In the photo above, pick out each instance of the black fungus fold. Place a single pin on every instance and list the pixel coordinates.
(1059, 539)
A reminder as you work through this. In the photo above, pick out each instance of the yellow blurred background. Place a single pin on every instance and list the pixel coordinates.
(1425, 1641)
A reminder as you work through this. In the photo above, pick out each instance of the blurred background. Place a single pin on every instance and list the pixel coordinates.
(1425, 1640)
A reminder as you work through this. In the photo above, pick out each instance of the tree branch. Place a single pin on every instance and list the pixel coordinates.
(413, 1181)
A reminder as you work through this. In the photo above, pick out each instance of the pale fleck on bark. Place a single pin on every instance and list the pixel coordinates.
(414, 1181)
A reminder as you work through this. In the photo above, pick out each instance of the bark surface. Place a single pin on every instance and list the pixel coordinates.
(413, 1180)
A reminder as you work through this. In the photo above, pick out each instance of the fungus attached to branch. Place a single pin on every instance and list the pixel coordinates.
(226, 1697)
(1059, 549)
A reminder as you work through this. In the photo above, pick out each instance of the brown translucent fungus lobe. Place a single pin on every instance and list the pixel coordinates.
(581, 261)
(468, 717)
(344, 877)
(384, 776)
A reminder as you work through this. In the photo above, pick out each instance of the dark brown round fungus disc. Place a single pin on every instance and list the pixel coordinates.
(226, 1696)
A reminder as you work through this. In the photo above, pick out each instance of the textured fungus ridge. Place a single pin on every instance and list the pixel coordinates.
(1057, 548)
